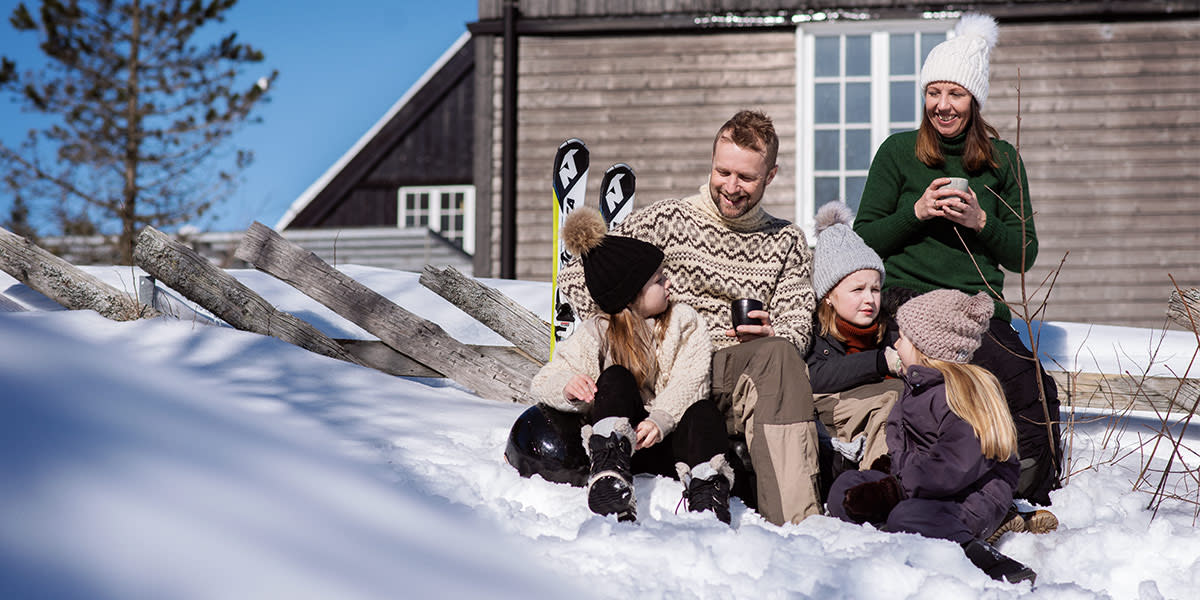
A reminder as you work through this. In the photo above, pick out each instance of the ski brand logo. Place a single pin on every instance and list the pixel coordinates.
(568, 175)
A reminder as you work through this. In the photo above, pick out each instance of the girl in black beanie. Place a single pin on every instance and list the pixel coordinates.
(639, 373)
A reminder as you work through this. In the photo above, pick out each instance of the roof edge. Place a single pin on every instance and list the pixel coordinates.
(302, 201)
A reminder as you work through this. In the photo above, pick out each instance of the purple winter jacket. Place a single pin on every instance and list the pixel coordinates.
(936, 455)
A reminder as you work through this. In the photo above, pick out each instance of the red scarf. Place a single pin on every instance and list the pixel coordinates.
(858, 338)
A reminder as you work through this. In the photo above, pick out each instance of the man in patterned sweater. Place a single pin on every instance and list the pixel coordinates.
(720, 245)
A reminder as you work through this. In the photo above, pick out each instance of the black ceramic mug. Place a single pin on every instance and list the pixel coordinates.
(741, 308)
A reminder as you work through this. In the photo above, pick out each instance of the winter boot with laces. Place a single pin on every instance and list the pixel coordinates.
(706, 486)
(609, 445)
(1012, 522)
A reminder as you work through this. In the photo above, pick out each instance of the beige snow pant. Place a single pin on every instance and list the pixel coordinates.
(762, 388)
(862, 410)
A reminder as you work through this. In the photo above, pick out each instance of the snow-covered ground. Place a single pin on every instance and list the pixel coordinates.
(170, 459)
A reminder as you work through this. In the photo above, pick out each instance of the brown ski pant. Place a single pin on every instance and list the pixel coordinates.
(761, 386)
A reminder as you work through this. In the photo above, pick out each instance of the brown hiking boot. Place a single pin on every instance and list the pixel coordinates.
(1039, 521)
(1013, 521)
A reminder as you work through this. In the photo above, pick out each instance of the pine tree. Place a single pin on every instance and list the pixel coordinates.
(142, 100)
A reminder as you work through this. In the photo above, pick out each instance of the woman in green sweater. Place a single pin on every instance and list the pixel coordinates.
(932, 236)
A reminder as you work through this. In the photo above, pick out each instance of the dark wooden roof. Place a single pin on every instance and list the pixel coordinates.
(574, 16)
(426, 139)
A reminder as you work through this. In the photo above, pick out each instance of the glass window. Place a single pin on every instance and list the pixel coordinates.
(856, 85)
(448, 210)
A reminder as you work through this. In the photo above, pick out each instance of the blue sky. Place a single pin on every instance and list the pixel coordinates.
(341, 67)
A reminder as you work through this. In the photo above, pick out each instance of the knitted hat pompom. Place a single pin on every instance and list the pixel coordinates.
(582, 231)
(979, 25)
(833, 213)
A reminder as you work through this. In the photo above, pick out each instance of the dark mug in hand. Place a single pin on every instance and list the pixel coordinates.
(741, 309)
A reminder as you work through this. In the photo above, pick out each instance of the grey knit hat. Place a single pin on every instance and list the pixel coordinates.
(946, 324)
(965, 58)
(839, 250)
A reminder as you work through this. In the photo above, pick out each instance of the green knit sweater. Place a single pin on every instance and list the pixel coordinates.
(929, 255)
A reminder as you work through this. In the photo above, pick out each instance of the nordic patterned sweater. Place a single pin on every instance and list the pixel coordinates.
(684, 356)
(924, 256)
(712, 261)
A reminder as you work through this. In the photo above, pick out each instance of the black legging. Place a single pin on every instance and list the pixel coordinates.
(699, 435)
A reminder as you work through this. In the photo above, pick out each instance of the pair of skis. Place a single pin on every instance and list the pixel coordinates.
(569, 185)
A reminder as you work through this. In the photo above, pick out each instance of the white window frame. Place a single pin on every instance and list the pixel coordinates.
(434, 212)
(880, 80)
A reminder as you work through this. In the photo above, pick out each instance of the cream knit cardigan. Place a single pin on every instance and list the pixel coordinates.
(684, 357)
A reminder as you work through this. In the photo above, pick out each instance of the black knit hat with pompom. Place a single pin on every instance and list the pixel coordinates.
(615, 268)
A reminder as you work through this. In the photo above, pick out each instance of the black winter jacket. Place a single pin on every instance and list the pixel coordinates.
(831, 370)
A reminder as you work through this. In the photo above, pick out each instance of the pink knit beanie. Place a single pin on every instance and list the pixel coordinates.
(946, 324)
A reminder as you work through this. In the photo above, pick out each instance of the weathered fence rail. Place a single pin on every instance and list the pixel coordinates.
(419, 339)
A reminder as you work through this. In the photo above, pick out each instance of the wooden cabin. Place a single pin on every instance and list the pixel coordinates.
(1106, 91)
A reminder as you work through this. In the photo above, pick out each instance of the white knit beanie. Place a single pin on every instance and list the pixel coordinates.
(964, 58)
(839, 250)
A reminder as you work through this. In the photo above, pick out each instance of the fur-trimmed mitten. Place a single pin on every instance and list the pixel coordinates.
(609, 445)
(871, 502)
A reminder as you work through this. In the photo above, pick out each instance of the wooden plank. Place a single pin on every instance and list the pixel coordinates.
(380, 356)
(65, 284)
(192, 275)
(398, 328)
(1119, 393)
(498, 312)
(1184, 308)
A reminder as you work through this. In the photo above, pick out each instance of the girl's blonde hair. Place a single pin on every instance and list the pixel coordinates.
(975, 395)
(631, 343)
(827, 321)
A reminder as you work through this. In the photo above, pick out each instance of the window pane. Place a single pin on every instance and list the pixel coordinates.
(903, 101)
(826, 190)
(858, 55)
(825, 150)
(858, 149)
(899, 129)
(410, 220)
(410, 202)
(828, 99)
(827, 56)
(858, 103)
(854, 188)
(928, 41)
(900, 51)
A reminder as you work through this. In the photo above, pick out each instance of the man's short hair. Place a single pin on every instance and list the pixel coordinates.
(754, 130)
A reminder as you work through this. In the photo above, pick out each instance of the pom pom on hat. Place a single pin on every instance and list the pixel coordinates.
(583, 230)
(946, 324)
(965, 58)
(615, 268)
(839, 251)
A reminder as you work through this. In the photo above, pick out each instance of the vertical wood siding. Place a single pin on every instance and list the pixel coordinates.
(653, 102)
(1110, 135)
